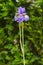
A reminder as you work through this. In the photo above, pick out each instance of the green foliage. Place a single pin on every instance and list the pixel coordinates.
(10, 52)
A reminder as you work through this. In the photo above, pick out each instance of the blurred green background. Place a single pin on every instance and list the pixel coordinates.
(10, 52)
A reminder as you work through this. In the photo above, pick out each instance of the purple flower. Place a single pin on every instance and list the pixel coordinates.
(21, 15)
(21, 10)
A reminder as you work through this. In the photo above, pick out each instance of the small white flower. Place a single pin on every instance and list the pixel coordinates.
(17, 0)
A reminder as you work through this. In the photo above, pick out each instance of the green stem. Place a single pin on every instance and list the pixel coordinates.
(23, 43)
(21, 30)
(20, 36)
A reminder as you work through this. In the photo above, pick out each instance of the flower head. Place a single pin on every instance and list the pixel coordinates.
(21, 15)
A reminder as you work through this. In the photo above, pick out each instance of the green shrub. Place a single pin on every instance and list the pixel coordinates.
(10, 52)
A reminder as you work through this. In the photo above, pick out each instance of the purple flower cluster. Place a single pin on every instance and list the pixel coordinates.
(21, 16)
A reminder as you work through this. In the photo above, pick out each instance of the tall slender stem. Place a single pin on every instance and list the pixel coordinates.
(21, 30)
(20, 36)
(23, 43)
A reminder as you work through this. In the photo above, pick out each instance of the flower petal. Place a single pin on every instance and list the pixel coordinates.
(21, 10)
(26, 18)
(20, 19)
(15, 18)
